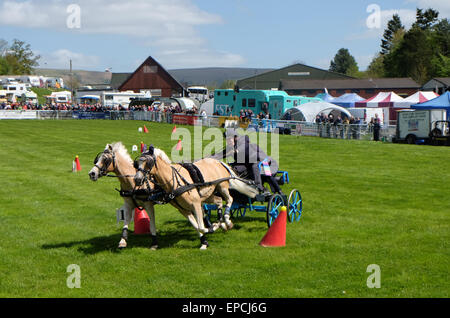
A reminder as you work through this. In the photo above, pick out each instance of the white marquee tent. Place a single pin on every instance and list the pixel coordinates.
(308, 111)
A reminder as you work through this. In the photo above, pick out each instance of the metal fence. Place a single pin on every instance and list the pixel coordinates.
(324, 130)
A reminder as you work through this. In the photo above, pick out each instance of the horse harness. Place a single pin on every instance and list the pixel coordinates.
(177, 179)
(108, 161)
(135, 194)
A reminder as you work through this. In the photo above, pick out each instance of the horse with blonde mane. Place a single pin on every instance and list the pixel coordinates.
(187, 195)
(115, 159)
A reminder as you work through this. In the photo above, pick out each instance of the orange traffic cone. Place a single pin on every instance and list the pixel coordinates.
(179, 147)
(77, 164)
(276, 235)
(145, 129)
(141, 222)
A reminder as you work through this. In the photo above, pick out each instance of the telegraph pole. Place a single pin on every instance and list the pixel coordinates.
(71, 81)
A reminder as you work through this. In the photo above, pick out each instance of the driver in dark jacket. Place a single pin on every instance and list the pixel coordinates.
(247, 156)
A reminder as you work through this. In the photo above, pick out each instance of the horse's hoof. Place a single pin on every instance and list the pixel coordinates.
(154, 247)
(224, 226)
(204, 247)
(122, 244)
(230, 226)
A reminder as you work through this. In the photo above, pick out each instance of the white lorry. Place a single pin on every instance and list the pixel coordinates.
(416, 125)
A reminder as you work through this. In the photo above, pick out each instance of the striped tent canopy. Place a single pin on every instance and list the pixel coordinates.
(417, 98)
(383, 99)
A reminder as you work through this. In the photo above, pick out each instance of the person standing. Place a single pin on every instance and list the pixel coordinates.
(376, 128)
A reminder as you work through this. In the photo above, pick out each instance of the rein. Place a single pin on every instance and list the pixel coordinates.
(176, 177)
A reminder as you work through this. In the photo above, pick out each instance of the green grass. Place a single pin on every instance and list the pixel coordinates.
(42, 92)
(364, 203)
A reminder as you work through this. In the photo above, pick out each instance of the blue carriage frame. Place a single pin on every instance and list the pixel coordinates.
(269, 204)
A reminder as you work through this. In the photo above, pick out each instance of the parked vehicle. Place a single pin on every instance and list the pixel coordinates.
(415, 126)
(440, 133)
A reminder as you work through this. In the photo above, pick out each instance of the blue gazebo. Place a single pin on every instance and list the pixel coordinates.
(441, 102)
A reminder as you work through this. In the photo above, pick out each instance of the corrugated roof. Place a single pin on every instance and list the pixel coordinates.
(443, 80)
(381, 83)
(117, 79)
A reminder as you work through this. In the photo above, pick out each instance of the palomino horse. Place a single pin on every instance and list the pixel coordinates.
(115, 159)
(187, 196)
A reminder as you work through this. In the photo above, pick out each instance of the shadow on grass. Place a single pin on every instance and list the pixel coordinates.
(166, 238)
(174, 232)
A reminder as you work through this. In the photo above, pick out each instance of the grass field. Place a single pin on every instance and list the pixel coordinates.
(364, 203)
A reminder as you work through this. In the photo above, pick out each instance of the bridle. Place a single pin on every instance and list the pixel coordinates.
(150, 159)
(109, 159)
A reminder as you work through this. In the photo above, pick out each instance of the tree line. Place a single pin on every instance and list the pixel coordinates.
(422, 52)
(17, 58)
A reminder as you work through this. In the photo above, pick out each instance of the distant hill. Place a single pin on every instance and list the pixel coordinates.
(212, 76)
(83, 77)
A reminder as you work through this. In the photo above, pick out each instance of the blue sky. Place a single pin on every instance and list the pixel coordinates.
(201, 33)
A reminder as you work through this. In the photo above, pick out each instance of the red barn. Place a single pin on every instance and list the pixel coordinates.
(151, 76)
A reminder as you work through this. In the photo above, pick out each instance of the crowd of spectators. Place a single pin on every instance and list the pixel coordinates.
(246, 115)
(328, 125)
(155, 107)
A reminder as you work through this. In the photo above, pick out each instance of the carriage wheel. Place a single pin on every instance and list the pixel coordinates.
(273, 209)
(295, 206)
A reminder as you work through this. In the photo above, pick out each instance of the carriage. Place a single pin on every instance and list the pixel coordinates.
(269, 203)
(158, 181)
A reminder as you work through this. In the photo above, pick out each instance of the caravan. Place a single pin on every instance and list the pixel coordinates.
(59, 97)
(199, 93)
(114, 99)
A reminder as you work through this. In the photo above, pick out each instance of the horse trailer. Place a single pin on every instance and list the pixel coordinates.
(416, 125)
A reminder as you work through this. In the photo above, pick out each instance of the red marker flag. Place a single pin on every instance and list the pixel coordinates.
(174, 130)
(179, 147)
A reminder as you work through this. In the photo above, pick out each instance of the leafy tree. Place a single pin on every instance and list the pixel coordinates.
(344, 63)
(393, 27)
(21, 58)
(412, 57)
(376, 67)
(3, 47)
(441, 36)
(441, 66)
(4, 66)
(422, 52)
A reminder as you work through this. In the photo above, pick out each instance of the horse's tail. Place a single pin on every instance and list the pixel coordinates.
(240, 185)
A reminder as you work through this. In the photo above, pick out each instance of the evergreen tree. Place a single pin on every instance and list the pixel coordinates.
(425, 20)
(344, 63)
(393, 26)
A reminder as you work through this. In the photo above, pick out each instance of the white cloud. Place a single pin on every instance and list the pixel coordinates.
(162, 25)
(407, 17)
(443, 6)
(61, 59)
(199, 58)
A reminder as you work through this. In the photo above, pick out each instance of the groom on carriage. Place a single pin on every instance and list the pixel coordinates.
(249, 160)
